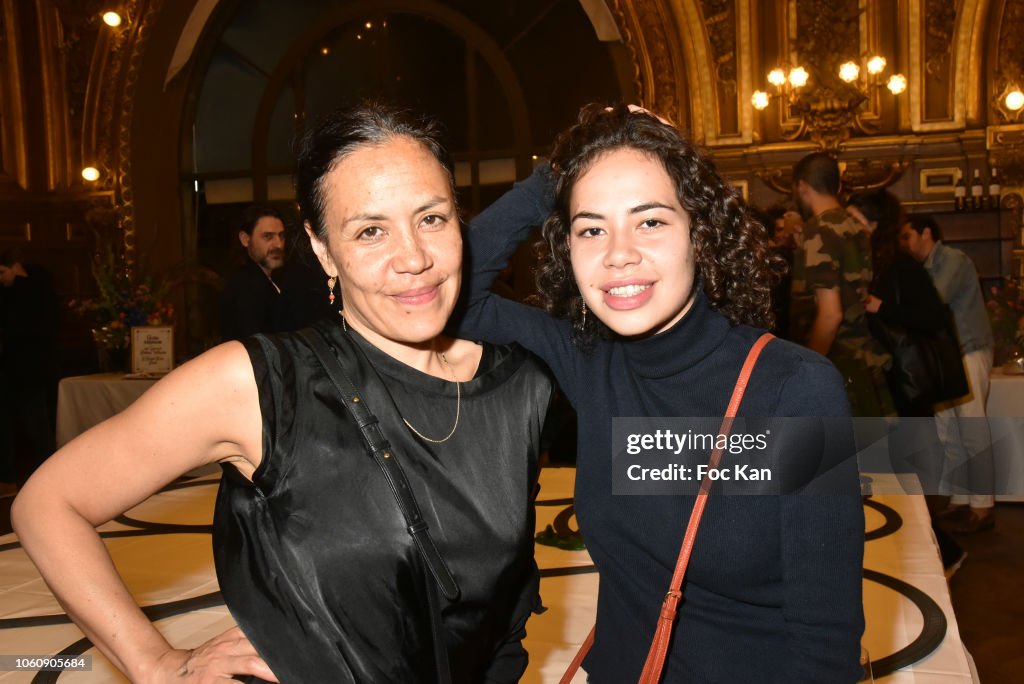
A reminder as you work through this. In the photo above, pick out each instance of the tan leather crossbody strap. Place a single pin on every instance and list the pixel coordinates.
(651, 673)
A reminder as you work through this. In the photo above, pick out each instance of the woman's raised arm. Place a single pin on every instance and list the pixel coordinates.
(204, 412)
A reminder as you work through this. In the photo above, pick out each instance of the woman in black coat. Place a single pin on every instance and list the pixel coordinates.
(903, 295)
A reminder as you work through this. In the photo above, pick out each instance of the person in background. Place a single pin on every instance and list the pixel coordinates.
(901, 291)
(786, 228)
(962, 426)
(833, 276)
(28, 333)
(902, 295)
(250, 301)
(314, 556)
(656, 283)
(305, 290)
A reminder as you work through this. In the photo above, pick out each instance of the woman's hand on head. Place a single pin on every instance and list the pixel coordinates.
(218, 660)
(638, 108)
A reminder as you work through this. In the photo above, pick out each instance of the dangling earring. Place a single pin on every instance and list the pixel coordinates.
(583, 323)
(330, 289)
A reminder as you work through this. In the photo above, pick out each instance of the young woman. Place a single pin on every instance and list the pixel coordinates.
(902, 293)
(656, 285)
(313, 553)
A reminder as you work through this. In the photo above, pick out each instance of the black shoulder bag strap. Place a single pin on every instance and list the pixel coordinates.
(380, 450)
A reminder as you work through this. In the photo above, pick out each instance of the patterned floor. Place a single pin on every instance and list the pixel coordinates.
(162, 548)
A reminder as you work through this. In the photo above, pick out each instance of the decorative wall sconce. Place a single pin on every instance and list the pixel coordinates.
(116, 23)
(828, 111)
(1010, 102)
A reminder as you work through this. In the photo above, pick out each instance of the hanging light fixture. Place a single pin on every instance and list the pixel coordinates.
(828, 114)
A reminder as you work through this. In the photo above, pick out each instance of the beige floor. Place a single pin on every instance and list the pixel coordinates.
(165, 568)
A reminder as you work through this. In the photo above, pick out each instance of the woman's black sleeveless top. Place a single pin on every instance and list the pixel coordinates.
(313, 557)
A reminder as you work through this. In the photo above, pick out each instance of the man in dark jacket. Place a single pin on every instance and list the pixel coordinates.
(28, 331)
(250, 302)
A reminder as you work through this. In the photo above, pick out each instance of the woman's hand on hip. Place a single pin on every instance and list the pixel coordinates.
(218, 660)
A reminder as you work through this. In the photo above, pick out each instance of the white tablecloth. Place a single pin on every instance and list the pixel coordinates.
(1006, 407)
(87, 400)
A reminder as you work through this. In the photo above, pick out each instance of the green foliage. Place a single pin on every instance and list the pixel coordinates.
(124, 300)
(1006, 312)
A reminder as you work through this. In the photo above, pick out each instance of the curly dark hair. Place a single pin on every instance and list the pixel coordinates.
(735, 267)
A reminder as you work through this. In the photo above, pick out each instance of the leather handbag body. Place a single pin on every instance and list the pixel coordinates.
(926, 364)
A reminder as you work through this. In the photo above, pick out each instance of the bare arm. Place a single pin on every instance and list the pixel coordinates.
(826, 321)
(205, 412)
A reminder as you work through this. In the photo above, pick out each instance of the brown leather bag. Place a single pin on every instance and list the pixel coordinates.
(651, 673)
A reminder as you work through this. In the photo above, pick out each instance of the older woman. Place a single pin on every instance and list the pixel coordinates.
(656, 284)
(316, 559)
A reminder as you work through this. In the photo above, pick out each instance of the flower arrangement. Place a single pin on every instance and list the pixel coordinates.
(1006, 313)
(123, 301)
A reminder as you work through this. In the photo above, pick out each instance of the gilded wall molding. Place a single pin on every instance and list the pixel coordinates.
(720, 26)
(650, 34)
(1011, 40)
(80, 32)
(974, 106)
(108, 103)
(1005, 146)
(940, 19)
(1007, 59)
(15, 155)
(688, 25)
(55, 101)
(147, 17)
(928, 26)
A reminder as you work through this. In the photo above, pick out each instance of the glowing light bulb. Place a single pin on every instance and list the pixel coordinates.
(776, 77)
(91, 173)
(112, 19)
(876, 65)
(798, 77)
(759, 99)
(849, 71)
(896, 84)
(1014, 100)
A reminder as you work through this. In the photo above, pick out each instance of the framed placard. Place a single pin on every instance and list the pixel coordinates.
(152, 349)
(939, 181)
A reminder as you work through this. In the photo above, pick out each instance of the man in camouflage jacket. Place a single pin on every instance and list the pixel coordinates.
(832, 274)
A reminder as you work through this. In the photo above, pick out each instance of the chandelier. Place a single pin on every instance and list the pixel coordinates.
(828, 109)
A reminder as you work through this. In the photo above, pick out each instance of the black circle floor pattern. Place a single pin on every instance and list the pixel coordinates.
(933, 630)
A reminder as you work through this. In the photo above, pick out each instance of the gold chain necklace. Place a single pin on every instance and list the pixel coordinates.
(458, 399)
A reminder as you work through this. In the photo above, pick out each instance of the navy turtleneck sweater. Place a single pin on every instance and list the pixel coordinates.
(773, 590)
